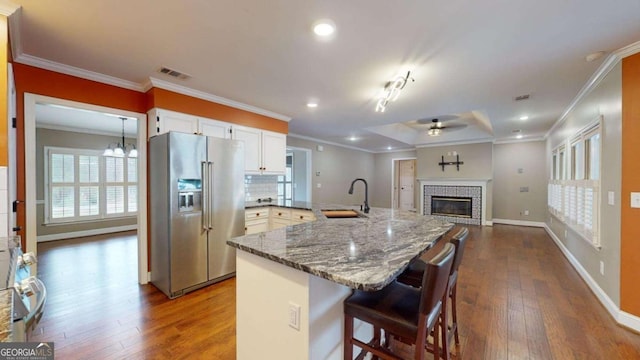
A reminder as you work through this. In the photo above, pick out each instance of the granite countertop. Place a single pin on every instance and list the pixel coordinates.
(364, 253)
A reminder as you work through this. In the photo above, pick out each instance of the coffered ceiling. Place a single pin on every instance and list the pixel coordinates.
(469, 59)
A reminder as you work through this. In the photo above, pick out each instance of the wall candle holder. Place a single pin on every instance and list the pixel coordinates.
(457, 163)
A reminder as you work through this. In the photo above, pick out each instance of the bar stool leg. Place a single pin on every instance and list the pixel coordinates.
(348, 335)
(454, 314)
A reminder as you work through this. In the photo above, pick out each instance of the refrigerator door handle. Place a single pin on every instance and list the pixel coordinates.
(205, 196)
(210, 180)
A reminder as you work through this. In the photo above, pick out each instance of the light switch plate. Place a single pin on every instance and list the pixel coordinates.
(612, 198)
(635, 199)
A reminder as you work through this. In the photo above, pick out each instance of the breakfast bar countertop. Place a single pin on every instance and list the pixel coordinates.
(365, 253)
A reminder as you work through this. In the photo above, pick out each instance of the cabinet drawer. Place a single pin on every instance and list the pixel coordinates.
(261, 213)
(280, 213)
(299, 216)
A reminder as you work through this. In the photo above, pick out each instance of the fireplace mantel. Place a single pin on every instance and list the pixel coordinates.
(456, 182)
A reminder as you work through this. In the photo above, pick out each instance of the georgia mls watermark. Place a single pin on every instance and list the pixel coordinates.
(26, 351)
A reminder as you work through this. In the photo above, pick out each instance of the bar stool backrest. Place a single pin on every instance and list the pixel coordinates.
(435, 278)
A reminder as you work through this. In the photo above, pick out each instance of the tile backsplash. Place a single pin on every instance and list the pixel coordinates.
(260, 187)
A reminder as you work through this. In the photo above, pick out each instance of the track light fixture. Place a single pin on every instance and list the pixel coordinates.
(391, 91)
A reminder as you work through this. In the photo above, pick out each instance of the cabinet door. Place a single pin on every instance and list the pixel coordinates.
(213, 128)
(173, 121)
(274, 153)
(252, 147)
(256, 226)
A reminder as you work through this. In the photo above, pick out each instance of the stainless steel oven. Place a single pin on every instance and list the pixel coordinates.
(29, 292)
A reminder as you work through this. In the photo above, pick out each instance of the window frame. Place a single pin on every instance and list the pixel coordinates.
(102, 185)
(574, 198)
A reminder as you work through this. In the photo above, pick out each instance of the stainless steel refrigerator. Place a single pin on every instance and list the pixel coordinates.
(196, 187)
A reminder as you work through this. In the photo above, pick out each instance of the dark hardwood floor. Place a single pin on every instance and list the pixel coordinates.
(518, 299)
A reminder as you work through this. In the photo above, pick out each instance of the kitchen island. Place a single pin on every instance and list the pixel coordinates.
(291, 281)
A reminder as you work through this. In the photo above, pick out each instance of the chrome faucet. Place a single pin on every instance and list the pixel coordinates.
(366, 193)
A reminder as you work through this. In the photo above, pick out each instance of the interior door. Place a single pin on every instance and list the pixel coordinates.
(406, 178)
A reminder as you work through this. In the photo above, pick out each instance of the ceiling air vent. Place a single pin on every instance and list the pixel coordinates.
(522, 97)
(173, 73)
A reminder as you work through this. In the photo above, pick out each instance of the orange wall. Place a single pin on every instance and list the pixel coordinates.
(165, 99)
(4, 131)
(38, 81)
(630, 230)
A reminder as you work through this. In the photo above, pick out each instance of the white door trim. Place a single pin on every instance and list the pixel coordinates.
(393, 178)
(30, 101)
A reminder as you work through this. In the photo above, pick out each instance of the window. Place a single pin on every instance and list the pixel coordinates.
(574, 197)
(83, 185)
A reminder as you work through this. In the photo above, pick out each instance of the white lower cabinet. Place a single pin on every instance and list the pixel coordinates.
(256, 220)
(265, 219)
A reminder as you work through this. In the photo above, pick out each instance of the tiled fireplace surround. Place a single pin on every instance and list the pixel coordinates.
(476, 189)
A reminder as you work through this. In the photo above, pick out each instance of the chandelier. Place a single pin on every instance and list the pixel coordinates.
(120, 149)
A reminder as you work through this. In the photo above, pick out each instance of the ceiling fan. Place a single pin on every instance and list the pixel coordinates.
(437, 127)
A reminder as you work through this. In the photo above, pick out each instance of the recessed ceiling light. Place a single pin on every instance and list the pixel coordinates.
(525, 117)
(324, 27)
(519, 136)
(353, 138)
(389, 148)
(312, 105)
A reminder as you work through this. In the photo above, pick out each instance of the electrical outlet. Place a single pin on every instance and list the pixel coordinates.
(526, 213)
(566, 233)
(635, 199)
(294, 316)
(318, 185)
(611, 197)
(601, 267)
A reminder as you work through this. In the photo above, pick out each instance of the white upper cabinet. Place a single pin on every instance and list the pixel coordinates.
(214, 128)
(252, 151)
(162, 121)
(265, 151)
(274, 153)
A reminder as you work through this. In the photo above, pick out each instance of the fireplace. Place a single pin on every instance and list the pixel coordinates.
(452, 206)
(462, 201)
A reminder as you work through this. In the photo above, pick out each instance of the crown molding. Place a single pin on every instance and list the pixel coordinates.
(448, 143)
(298, 136)
(609, 63)
(7, 7)
(523, 140)
(628, 50)
(162, 84)
(77, 72)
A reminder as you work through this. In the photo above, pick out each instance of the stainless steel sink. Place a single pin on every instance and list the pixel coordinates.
(341, 213)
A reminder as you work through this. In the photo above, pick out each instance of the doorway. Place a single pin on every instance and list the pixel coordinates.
(31, 104)
(299, 173)
(403, 184)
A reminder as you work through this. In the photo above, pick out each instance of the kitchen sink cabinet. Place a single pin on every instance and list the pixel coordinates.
(265, 151)
(162, 121)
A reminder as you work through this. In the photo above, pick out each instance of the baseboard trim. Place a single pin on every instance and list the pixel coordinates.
(622, 318)
(519, 222)
(92, 232)
(629, 321)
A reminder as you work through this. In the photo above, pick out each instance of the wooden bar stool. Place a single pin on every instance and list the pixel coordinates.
(402, 311)
(413, 276)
